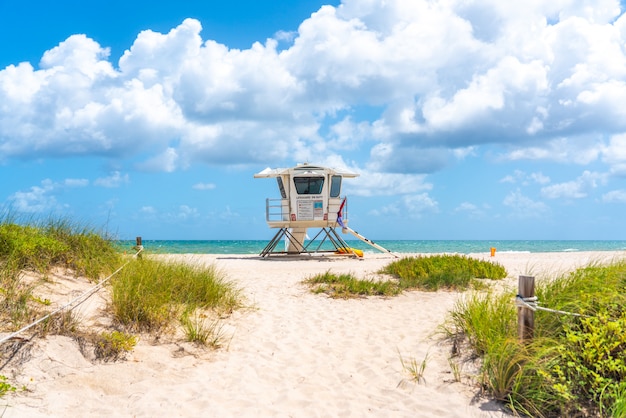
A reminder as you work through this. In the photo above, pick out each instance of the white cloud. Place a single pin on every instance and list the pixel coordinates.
(439, 79)
(148, 210)
(410, 206)
(575, 189)
(42, 199)
(614, 196)
(524, 178)
(76, 182)
(614, 154)
(379, 184)
(204, 186)
(167, 161)
(523, 207)
(472, 210)
(186, 212)
(581, 151)
(116, 179)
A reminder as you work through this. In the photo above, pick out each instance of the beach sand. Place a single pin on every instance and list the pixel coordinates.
(290, 353)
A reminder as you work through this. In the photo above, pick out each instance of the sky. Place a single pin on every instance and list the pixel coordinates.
(465, 119)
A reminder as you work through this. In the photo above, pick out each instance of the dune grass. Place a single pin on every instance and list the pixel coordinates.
(149, 295)
(349, 286)
(574, 366)
(424, 273)
(40, 247)
(456, 272)
(56, 243)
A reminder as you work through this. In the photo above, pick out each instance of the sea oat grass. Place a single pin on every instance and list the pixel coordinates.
(202, 331)
(415, 369)
(39, 247)
(150, 294)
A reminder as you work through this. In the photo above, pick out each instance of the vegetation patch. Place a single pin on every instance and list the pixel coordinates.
(147, 295)
(5, 386)
(349, 286)
(411, 273)
(150, 295)
(199, 330)
(435, 272)
(112, 346)
(54, 243)
(574, 366)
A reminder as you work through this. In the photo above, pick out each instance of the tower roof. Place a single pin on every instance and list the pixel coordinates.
(303, 169)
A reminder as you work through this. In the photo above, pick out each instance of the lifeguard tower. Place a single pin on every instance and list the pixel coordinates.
(310, 198)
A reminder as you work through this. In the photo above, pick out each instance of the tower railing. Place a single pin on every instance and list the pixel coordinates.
(277, 210)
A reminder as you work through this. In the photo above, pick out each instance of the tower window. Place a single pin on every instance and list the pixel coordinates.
(309, 185)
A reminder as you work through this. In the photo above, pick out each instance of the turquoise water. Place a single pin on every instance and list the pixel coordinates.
(398, 246)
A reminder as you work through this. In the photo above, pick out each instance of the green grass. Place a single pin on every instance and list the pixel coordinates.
(150, 295)
(348, 286)
(414, 368)
(411, 273)
(435, 272)
(198, 329)
(40, 247)
(574, 366)
(56, 243)
(147, 295)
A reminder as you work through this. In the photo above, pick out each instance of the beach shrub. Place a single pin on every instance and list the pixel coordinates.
(442, 271)
(574, 366)
(28, 247)
(150, 295)
(5, 386)
(111, 346)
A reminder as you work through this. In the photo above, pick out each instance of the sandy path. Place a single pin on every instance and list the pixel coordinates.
(293, 353)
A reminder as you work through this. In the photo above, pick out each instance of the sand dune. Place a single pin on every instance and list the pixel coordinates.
(291, 353)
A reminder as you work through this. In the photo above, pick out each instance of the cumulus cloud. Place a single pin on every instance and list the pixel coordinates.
(576, 189)
(407, 85)
(411, 206)
(614, 154)
(43, 199)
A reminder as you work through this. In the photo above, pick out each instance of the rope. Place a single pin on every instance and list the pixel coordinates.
(84, 296)
(533, 304)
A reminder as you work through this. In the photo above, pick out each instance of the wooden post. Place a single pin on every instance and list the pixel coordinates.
(526, 316)
(138, 246)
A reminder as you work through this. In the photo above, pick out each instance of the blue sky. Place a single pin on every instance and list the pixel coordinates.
(465, 119)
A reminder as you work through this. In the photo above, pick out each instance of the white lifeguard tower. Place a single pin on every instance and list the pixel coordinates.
(310, 198)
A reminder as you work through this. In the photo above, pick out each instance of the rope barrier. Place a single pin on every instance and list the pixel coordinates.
(84, 296)
(532, 303)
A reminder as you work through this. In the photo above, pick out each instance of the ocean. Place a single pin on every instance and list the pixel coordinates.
(396, 246)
